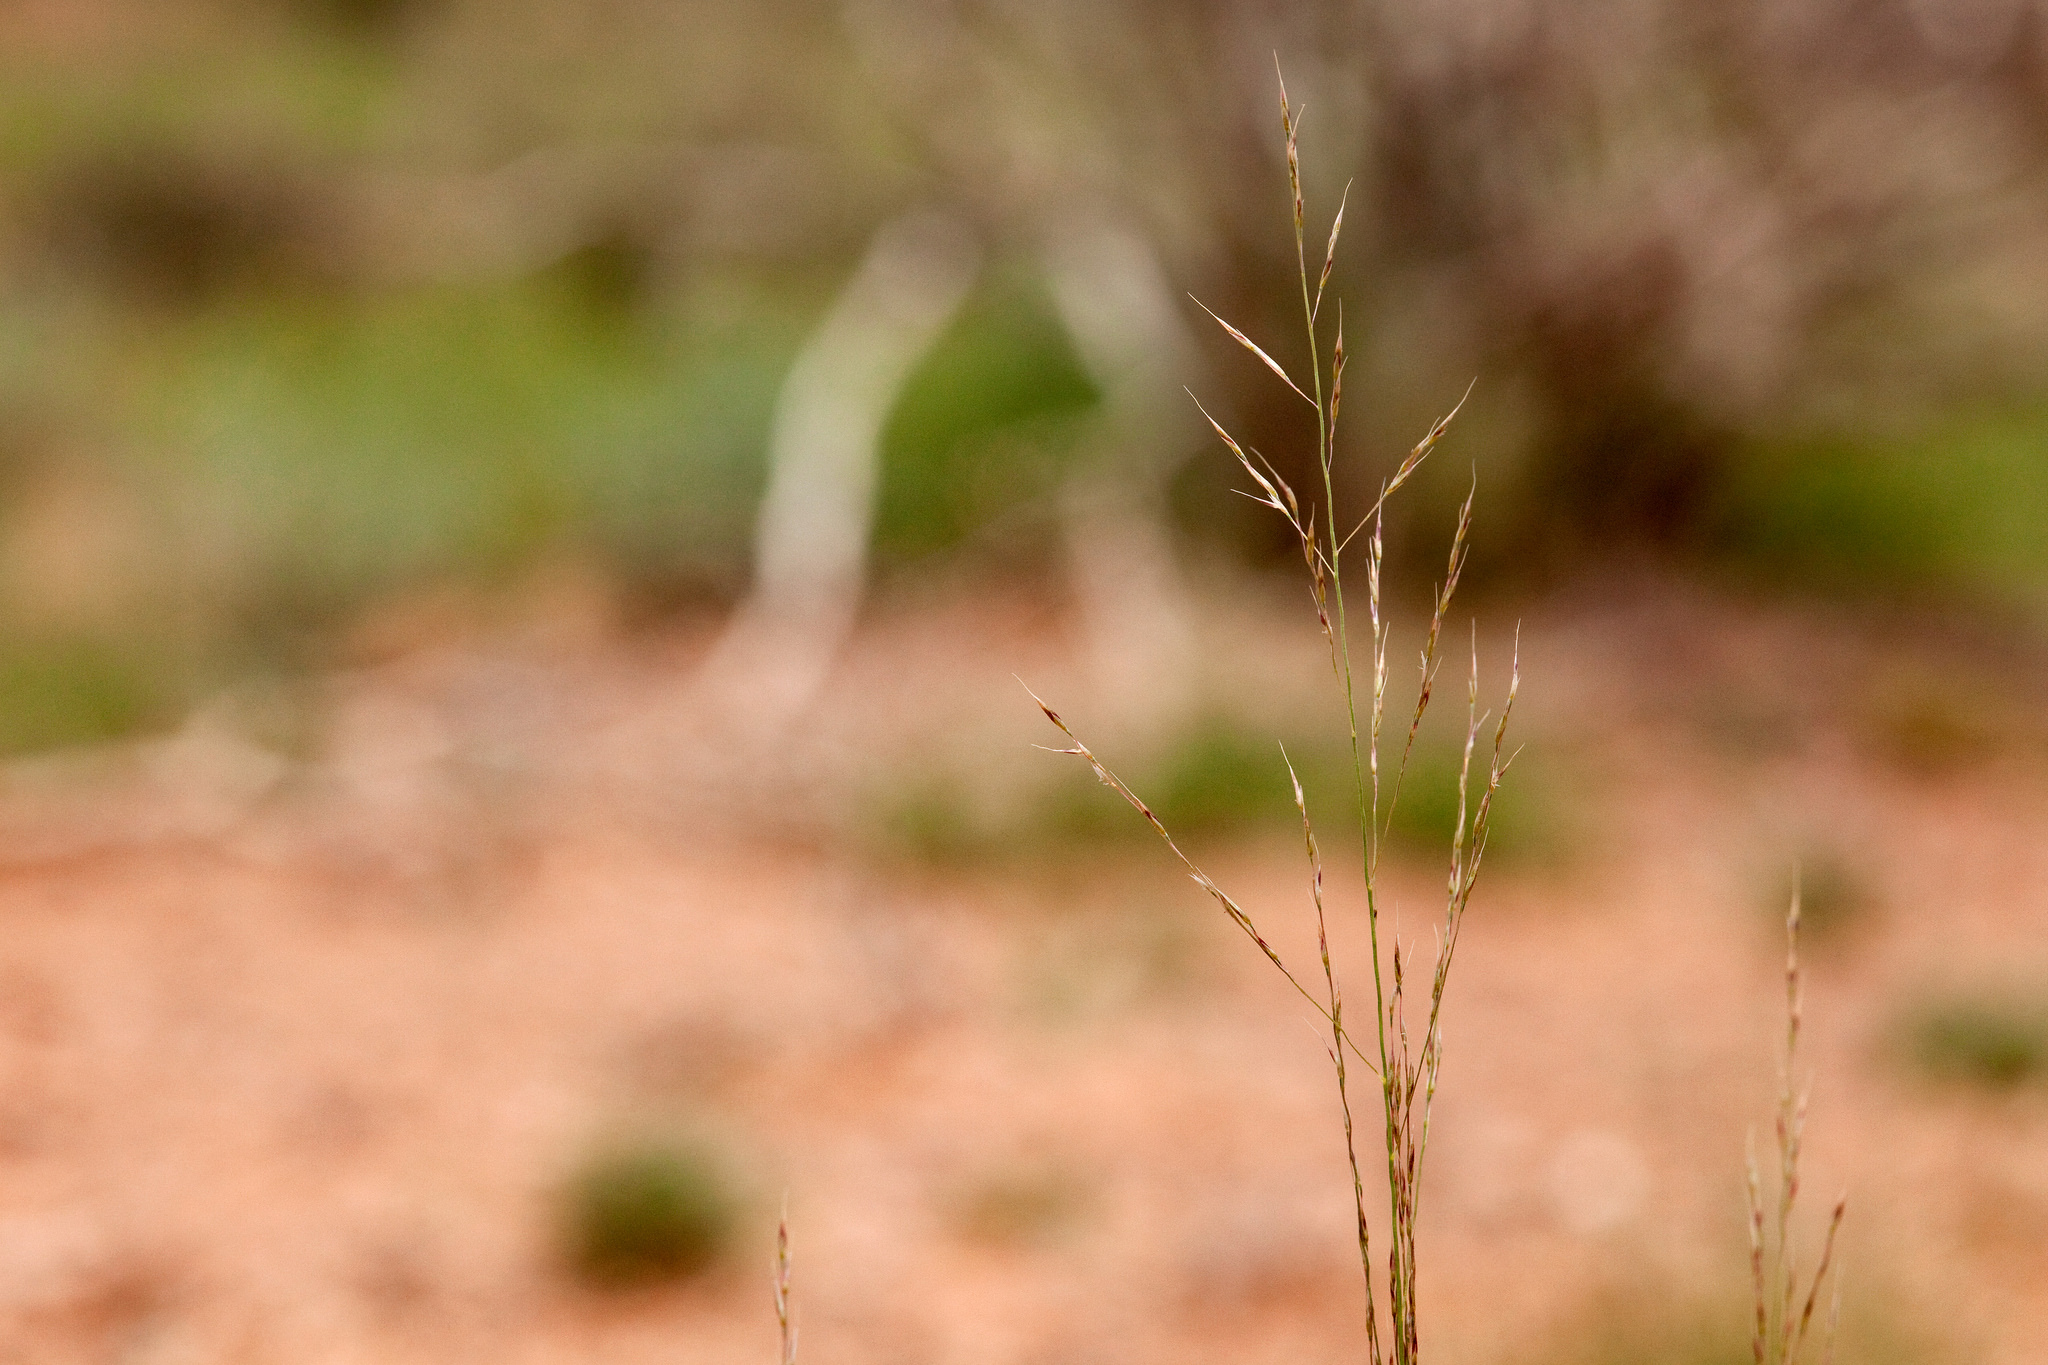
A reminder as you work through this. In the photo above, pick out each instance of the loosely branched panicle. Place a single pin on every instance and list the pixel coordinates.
(1407, 1064)
(1782, 1323)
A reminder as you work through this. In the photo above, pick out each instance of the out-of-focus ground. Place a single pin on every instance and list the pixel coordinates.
(296, 1052)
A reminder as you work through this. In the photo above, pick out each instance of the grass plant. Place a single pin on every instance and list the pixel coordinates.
(785, 1318)
(81, 690)
(1403, 1056)
(647, 1212)
(1784, 1316)
(1213, 779)
(1992, 1041)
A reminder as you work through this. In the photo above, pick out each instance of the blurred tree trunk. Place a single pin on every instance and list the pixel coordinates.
(1113, 296)
(824, 463)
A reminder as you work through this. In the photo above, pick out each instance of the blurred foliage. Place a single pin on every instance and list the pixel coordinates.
(937, 821)
(1030, 1204)
(79, 691)
(1530, 819)
(985, 424)
(455, 430)
(1644, 1325)
(1222, 779)
(1953, 509)
(346, 294)
(1998, 1041)
(1836, 899)
(1931, 734)
(1219, 778)
(648, 1211)
(1639, 1342)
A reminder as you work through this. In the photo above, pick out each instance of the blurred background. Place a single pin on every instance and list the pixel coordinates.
(519, 524)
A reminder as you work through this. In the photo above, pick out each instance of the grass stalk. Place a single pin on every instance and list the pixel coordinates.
(1407, 1066)
(784, 1318)
(1782, 1324)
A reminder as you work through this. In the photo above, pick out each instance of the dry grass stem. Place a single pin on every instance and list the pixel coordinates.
(1407, 1063)
(783, 1317)
(1782, 1322)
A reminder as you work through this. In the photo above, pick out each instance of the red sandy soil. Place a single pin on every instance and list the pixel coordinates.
(295, 1055)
